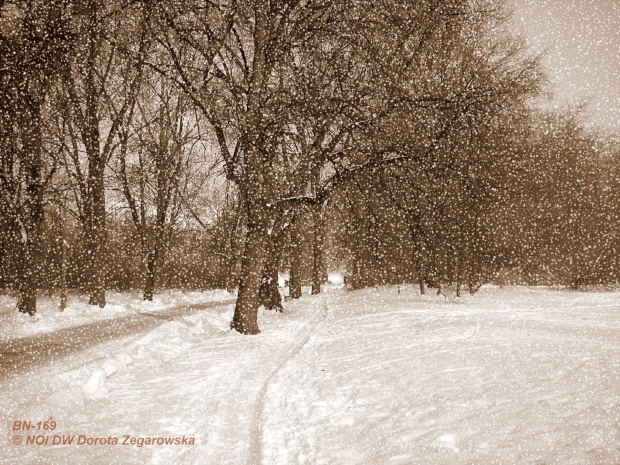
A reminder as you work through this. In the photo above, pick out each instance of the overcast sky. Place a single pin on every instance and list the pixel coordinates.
(583, 42)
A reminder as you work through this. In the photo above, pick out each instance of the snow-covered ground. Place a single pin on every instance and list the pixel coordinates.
(15, 325)
(513, 375)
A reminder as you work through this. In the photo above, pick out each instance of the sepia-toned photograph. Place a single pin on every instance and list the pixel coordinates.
(310, 232)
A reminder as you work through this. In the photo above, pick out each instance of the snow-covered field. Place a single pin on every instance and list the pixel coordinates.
(508, 376)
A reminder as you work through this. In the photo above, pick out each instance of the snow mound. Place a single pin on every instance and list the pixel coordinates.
(95, 386)
(123, 358)
(111, 366)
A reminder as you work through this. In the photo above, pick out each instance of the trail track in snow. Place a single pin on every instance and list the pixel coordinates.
(256, 450)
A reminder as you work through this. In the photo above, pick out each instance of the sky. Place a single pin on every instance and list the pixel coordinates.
(582, 42)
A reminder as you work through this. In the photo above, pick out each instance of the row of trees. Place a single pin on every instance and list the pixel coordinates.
(219, 143)
(544, 212)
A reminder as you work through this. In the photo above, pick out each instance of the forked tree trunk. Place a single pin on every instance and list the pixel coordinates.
(248, 299)
(317, 248)
(295, 278)
(269, 293)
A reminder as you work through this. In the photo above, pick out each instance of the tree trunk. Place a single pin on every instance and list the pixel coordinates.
(27, 301)
(96, 228)
(63, 264)
(222, 276)
(295, 278)
(317, 256)
(358, 280)
(418, 256)
(245, 319)
(472, 282)
(149, 285)
(459, 260)
(231, 285)
(31, 216)
(98, 242)
(269, 293)
(421, 274)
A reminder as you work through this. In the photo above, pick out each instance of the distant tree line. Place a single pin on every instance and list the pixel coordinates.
(199, 144)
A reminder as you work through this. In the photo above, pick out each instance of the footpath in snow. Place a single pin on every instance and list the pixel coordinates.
(514, 375)
(191, 376)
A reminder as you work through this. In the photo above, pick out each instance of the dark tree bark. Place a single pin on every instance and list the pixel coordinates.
(63, 266)
(257, 183)
(356, 275)
(31, 216)
(248, 298)
(418, 253)
(97, 241)
(31, 55)
(318, 272)
(149, 284)
(231, 283)
(94, 217)
(295, 278)
(269, 293)
(421, 277)
(230, 257)
(459, 261)
(59, 221)
(358, 278)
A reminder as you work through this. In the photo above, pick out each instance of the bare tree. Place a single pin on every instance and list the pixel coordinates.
(160, 159)
(98, 93)
(34, 42)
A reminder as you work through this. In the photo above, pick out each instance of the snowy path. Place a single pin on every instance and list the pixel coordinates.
(191, 376)
(516, 375)
(258, 432)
